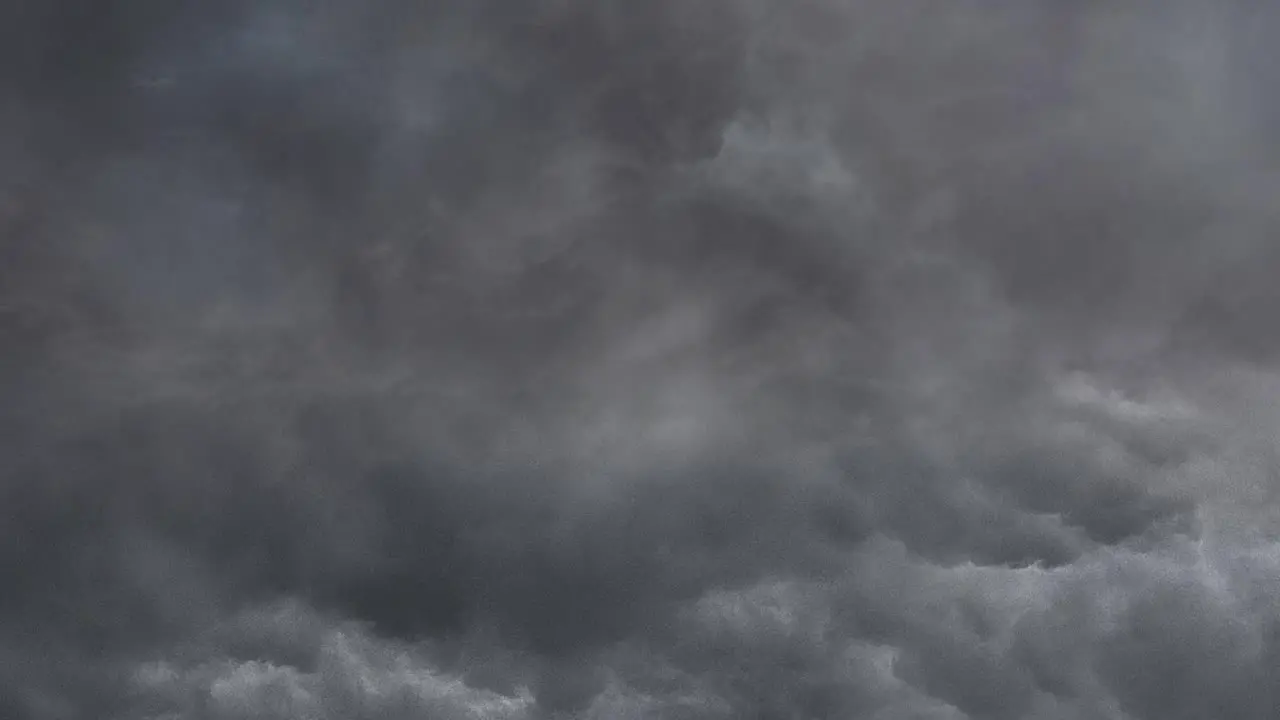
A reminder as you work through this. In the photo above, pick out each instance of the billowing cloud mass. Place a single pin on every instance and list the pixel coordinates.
(569, 359)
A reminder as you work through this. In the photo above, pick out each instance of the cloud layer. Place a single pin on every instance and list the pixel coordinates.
(729, 359)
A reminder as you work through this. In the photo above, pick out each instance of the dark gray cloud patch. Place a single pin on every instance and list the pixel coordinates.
(614, 360)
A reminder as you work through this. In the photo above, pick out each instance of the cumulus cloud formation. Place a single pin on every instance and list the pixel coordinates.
(573, 360)
(351, 676)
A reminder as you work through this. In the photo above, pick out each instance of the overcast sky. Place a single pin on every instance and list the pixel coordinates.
(614, 359)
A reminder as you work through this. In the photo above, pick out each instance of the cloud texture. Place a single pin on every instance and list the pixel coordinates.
(564, 359)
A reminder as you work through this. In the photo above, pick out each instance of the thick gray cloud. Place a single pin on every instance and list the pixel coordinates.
(821, 359)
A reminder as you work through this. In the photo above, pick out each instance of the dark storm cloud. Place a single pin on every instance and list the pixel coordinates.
(599, 360)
